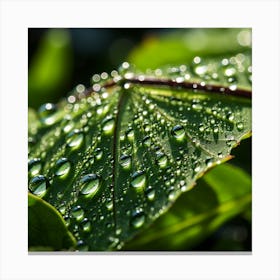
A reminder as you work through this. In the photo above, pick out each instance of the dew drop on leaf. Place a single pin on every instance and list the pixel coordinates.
(38, 185)
(34, 166)
(86, 225)
(138, 180)
(63, 167)
(75, 139)
(138, 219)
(147, 141)
(47, 114)
(125, 161)
(108, 125)
(150, 193)
(78, 212)
(240, 126)
(178, 132)
(162, 160)
(98, 153)
(90, 184)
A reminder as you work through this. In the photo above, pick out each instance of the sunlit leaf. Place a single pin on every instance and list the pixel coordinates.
(114, 158)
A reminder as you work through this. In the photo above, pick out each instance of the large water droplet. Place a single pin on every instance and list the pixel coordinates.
(178, 132)
(90, 184)
(78, 212)
(125, 161)
(34, 166)
(138, 219)
(38, 185)
(108, 125)
(75, 139)
(138, 180)
(47, 113)
(63, 167)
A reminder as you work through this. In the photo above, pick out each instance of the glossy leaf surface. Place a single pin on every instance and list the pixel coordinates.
(113, 159)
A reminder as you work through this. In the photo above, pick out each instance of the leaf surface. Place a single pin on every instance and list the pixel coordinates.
(116, 157)
(46, 228)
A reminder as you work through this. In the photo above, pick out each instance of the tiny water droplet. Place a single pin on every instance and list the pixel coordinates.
(171, 194)
(178, 132)
(62, 167)
(78, 212)
(108, 125)
(209, 162)
(98, 153)
(125, 161)
(150, 193)
(81, 246)
(147, 141)
(162, 160)
(138, 180)
(90, 184)
(138, 219)
(47, 113)
(86, 225)
(230, 117)
(130, 134)
(38, 185)
(75, 139)
(34, 166)
(240, 126)
(109, 205)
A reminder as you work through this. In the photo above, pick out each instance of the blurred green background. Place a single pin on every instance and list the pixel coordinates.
(60, 59)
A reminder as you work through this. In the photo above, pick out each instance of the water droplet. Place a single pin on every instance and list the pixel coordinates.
(98, 153)
(216, 129)
(63, 167)
(147, 141)
(178, 132)
(86, 225)
(78, 212)
(81, 246)
(201, 128)
(240, 126)
(34, 166)
(138, 219)
(197, 167)
(38, 185)
(62, 209)
(209, 162)
(230, 117)
(172, 194)
(162, 160)
(130, 134)
(150, 193)
(138, 180)
(125, 161)
(75, 139)
(47, 114)
(108, 125)
(90, 184)
(109, 205)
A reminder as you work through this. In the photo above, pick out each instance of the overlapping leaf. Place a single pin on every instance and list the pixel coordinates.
(115, 158)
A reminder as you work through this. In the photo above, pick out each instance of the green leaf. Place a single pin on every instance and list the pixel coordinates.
(46, 228)
(113, 158)
(221, 194)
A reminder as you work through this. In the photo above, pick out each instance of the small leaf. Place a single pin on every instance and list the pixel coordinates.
(115, 157)
(46, 228)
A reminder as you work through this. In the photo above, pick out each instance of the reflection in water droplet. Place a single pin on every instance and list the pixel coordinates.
(108, 125)
(78, 212)
(90, 184)
(75, 139)
(125, 161)
(38, 185)
(178, 132)
(138, 219)
(34, 166)
(62, 167)
(47, 114)
(138, 180)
